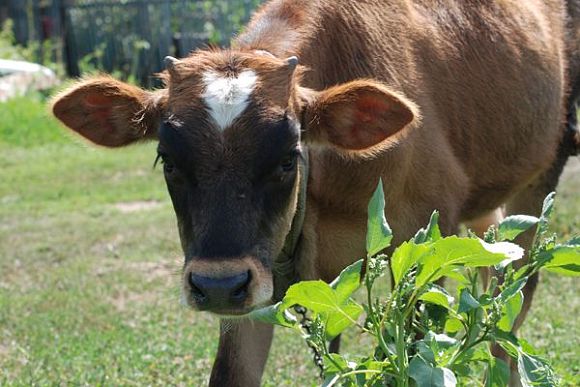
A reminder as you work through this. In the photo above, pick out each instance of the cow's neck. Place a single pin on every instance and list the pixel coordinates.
(331, 43)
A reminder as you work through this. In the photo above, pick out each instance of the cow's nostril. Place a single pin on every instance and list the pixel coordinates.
(219, 292)
(196, 292)
(241, 292)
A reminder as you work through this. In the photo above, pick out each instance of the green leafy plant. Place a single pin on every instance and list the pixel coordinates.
(422, 334)
(8, 47)
(43, 53)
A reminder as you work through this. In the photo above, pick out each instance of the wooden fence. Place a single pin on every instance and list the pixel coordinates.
(129, 38)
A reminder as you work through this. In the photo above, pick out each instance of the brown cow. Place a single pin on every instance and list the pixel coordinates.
(458, 105)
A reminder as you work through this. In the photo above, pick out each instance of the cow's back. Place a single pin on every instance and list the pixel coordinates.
(498, 93)
(487, 75)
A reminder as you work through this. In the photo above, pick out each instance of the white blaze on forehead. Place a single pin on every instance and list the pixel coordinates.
(228, 97)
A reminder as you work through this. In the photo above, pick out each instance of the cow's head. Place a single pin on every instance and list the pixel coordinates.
(231, 128)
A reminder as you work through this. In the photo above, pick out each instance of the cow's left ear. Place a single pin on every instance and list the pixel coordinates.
(109, 112)
(356, 116)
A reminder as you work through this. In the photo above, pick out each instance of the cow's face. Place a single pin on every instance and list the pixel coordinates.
(229, 127)
(230, 145)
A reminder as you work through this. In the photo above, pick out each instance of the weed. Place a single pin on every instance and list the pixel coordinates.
(422, 336)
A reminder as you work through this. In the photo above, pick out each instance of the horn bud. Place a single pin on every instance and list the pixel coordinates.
(292, 62)
(170, 62)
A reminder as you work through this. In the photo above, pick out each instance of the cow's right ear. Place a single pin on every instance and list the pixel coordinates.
(357, 117)
(109, 112)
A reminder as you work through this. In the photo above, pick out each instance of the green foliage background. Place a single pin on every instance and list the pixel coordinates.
(126, 38)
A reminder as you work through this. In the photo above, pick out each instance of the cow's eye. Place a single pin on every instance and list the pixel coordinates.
(289, 162)
(168, 168)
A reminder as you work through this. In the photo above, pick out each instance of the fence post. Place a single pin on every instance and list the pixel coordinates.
(143, 69)
(37, 30)
(56, 32)
(17, 12)
(71, 61)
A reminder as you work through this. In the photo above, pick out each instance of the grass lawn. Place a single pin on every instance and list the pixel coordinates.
(89, 272)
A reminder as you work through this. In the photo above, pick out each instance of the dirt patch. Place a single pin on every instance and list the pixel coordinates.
(147, 271)
(121, 176)
(151, 271)
(4, 350)
(124, 299)
(8, 351)
(164, 274)
(128, 207)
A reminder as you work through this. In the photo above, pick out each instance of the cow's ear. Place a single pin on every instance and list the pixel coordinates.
(356, 116)
(109, 112)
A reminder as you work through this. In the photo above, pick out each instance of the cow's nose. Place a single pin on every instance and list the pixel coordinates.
(226, 292)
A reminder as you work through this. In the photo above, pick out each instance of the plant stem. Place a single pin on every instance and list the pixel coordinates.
(327, 355)
(402, 350)
(355, 372)
(378, 325)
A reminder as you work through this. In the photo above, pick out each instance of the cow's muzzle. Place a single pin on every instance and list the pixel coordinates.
(226, 292)
(233, 286)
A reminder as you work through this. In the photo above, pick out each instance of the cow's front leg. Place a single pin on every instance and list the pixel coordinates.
(242, 353)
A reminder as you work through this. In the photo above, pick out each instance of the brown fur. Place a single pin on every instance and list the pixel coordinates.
(110, 104)
(242, 353)
(488, 78)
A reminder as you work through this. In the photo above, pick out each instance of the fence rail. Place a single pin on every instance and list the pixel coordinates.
(129, 38)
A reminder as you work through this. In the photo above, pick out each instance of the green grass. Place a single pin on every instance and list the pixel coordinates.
(89, 293)
(25, 122)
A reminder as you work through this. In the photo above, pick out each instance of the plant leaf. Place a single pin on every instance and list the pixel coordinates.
(508, 342)
(512, 252)
(426, 375)
(431, 233)
(527, 347)
(425, 352)
(455, 251)
(273, 314)
(514, 225)
(320, 298)
(347, 282)
(317, 296)
(330, 367)
(474, 354)
(497, 374)
(438, 296)
(575, 241)
(336, 323)
(563, 259)
(405, 256)
(443, 341)
(441, 345)
(379, 234)
(535, 371)
(547, 208)
(467, 302)
(453, 325)
(510, 312)
(513, 289)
